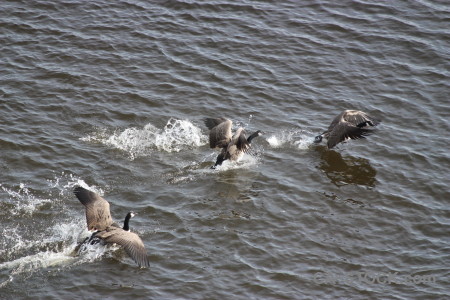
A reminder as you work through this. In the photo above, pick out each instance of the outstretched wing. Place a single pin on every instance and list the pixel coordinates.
(220, 134)
(213, 122)
(359, 118)
(131, 243)
(344, 131)
(98, 216)
(242, 143)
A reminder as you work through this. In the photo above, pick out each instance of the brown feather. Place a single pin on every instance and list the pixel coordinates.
(220, 134)
(350, 124)
(130, 241)
(98, 218)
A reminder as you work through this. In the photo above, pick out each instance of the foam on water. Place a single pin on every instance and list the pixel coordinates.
(298, 138)
(174, 137)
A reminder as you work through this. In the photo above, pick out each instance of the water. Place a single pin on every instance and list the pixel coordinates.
(111, 96)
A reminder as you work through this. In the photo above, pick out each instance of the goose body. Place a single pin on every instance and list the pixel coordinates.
(99, 220)
(350, 124)
(220, 137)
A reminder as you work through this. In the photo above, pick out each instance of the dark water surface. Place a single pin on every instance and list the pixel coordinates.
(111, 95)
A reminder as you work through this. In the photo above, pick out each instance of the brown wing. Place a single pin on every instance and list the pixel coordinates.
(130, 241)
(336, 121)
(241, 143)
(98, 216)
(213, 122)
(359, 118)
(343, 131)
(220, 134)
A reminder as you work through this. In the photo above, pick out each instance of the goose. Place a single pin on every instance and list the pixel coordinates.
(350, 124)
(220, 137)
(98, 218)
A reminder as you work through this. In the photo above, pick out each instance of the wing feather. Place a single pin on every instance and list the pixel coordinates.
(220, 134)
(344, 131)
(131, 243)
(213, 122)
(242, 144)
(98, 216)
(359, 118)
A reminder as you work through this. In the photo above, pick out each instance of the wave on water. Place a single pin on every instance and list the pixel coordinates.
(174, 137)
(297, 138)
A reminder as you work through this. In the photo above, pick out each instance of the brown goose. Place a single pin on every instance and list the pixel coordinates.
(98, 218)
(350, 124)
(220, 136)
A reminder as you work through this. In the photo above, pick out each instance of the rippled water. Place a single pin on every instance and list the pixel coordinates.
(111, 95)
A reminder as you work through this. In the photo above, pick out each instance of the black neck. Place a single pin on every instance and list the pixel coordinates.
(219, 161)
(125, 223)
(252, 136)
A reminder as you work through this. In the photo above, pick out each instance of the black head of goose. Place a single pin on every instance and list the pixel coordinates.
(350, 124)
(233, 145)
(98, 218)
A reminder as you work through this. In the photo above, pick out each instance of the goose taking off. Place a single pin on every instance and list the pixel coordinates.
(350, 124)
(220, 136)
(98, 218)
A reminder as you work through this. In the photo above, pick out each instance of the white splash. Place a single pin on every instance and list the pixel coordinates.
(42, 259)
(297, 138)
(55, 255)
(11, 241)
(179, 134)
(32, 263)
(246, 162)
(304, 142)
(67, 181)
(174, 137)
(87, 252)
(24, 200)
(52, 247)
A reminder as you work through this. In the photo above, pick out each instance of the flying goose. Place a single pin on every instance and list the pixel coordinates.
(98, 218)
(350, 124)
(220, 136)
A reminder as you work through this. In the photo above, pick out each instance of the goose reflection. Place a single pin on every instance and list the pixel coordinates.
(346, 170)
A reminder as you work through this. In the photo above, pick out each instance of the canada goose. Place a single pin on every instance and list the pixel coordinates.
(350, 124)
(98, 218)
(220, 136)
